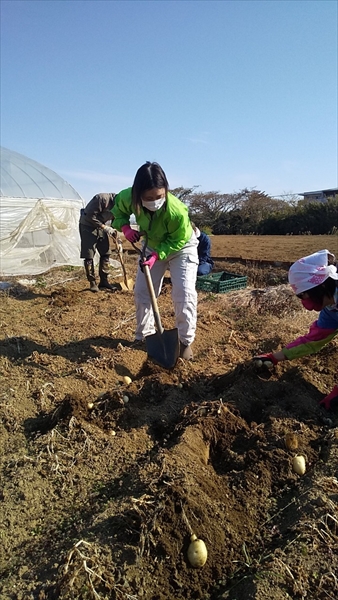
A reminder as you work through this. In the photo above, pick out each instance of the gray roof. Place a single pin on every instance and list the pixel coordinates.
(326, 192)
(22, 177)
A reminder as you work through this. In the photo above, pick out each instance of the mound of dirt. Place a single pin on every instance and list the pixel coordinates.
(63, 297)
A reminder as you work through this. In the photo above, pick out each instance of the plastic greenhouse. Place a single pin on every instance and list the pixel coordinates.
(39, 217)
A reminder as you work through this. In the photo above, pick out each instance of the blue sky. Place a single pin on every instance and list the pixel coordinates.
(223, 94)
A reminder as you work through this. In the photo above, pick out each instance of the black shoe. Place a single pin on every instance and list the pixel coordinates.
(105, 285)
(139, 344)
(93, 286)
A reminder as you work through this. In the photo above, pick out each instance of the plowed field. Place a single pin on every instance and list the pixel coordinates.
(104, 481)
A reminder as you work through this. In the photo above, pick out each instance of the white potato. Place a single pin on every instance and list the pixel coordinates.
(298, 465)
(197, 552)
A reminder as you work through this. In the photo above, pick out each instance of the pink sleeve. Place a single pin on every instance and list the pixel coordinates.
(315, 334)
(312, 342)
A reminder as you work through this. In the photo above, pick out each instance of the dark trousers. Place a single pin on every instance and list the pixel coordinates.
(204, 269)
(92, 240)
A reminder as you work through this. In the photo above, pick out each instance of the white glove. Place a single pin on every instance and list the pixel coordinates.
(265, 360)
(109, 230)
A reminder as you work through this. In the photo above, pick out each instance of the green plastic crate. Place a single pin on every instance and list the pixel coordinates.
(221, 283)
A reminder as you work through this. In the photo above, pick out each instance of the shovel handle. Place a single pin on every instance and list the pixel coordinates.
(120, 255)
(142, 251)
(153, 299)
(149, 281)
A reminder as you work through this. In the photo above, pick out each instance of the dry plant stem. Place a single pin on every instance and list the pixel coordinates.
(87, 569)
(57, 467)
(329, 575)
(85, 374)
(91, 573)
(247, 557)
(285, 507)
(328, 536)
(145, 535)
(185, 519)
(61, 282)
(285, 567)
(124, 321)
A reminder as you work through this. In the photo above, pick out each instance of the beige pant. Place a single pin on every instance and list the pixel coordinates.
(183, 271)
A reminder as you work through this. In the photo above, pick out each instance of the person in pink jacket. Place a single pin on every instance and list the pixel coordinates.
(314, 279)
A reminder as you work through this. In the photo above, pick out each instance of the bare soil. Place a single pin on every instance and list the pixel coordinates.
(104, 482)
(279, 248)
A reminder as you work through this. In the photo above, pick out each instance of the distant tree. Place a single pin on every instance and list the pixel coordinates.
(316, 218)
(257, 205)
(206, 207)
(252, 211)
(183, 193)
(231, 223)
(252, 208)
(319, 218)
(290, 198)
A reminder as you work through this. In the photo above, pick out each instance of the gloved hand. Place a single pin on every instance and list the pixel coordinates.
(150, 260)
(265, 360)
(330, 402)
(130, 234)
(109, 231)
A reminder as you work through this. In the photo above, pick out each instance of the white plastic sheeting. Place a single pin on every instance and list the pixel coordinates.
(39, 217)
(39, 234)
(22, 177)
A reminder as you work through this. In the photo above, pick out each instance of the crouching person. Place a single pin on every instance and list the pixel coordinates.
(314, 279)
(205, 262)
(95, 231)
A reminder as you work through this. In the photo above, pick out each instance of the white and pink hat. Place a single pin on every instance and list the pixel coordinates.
(310, 271)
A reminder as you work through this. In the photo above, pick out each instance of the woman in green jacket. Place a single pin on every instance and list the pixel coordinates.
(171, 245)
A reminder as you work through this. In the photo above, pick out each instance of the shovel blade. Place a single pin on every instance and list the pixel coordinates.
(164, 348)
(127, 285)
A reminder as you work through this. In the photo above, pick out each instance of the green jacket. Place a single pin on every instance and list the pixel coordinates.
(168, 228)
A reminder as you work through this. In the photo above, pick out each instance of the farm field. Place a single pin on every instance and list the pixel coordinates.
(285, 248)
(103, 482)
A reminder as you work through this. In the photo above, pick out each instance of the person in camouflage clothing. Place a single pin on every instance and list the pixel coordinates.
(95, 231)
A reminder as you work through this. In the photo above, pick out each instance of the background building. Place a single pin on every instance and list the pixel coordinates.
(320, 196)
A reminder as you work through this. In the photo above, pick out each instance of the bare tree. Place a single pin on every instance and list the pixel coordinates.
(256, 205)
(183, 193)
(208, 206)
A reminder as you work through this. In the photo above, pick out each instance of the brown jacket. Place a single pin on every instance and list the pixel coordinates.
(98, 210)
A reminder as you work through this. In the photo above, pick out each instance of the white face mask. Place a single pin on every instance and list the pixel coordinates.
(153, 204)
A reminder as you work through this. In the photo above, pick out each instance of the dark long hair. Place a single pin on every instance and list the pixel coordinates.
(148, 177)
(318, 293)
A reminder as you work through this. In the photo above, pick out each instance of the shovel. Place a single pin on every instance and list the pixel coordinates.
(163, 346)
(128, 284)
